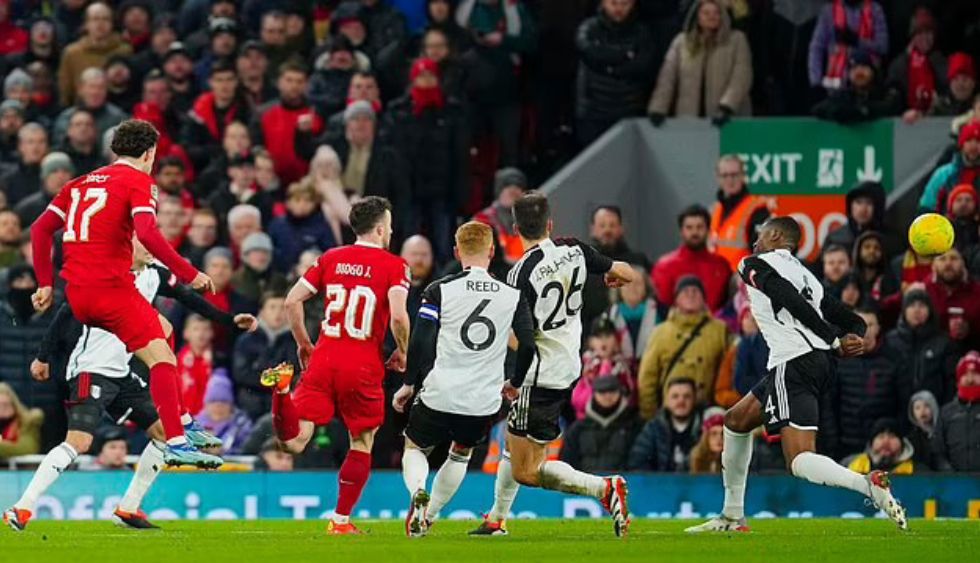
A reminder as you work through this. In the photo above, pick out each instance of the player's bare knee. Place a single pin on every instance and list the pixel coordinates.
(80, 441)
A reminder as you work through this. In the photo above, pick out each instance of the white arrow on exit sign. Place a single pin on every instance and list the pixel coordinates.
(869, 172)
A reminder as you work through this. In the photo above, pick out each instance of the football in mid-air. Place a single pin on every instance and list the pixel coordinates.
(931, 234)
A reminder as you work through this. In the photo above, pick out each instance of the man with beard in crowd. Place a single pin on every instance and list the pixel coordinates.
(609, 238)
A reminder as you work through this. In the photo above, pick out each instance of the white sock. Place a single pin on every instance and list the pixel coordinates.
(735, 458)
(822, 470)
(415, 469)
(147, 469)
(504, 489)
(186, 419)
(53, 464)
(559, 476)
(177, 441)
(447, 482)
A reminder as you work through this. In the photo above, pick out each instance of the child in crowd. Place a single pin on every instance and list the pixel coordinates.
(602, 358)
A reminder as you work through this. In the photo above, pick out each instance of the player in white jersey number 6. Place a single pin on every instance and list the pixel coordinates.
(802, 326)
(551, 275)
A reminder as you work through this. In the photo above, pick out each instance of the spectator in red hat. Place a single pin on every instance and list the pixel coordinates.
(962, 77)
(954, 440)
(919, 72)
(706, 455)
(692, 257)
(964, 168)
(961, 208)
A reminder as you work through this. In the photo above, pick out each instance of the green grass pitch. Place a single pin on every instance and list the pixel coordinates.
(537, 541)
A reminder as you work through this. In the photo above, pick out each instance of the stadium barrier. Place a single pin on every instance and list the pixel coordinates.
(803, 166)
(307, 495)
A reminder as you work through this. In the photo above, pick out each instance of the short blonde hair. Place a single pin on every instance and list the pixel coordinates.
(474, 238)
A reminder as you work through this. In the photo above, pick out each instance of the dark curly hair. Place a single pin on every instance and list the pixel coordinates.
(367, 213)
(134, 137)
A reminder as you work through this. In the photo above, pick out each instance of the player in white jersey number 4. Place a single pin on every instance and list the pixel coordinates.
(457, 353)
(551, 275)
(800, 323)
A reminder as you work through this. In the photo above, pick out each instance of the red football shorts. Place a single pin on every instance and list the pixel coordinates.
(356, 395)
(119, 310)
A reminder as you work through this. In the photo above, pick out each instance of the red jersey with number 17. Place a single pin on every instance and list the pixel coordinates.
(98, 210)
(355, 281)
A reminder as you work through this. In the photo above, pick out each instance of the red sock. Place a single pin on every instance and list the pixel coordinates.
(180, 394)
(284, 418)
(166, 396)
(353, 475)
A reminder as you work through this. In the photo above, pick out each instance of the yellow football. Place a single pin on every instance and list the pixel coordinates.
(931, 234)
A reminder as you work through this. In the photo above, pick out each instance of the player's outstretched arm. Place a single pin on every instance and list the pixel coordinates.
(149, 234)
(619, 274)
(193, 301)
(760, 275)
(298, 295)
(42, 242)
(400, 326)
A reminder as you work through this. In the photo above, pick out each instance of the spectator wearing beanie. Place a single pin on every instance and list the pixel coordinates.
(93, 50)
(602, 438)
(18, 86)
(690, 343)
(887, 450)
(866, 389)
(616, 58)
(923, 413)
(922, 349)
(707, 71)
(845, 25)
(865, 97)
(509, 184)
(221, 417)
(961, 209)
(11, 120)
(962, 78)
(428, 131)
(955, 440)
(56, 170)
(706, 455)
(303, 227)
(964, 168)
(274, 127)
(919, 72)
(24, 177)
(693, 258)
(956, 298)
(223, 36)
(202, 133)
(255, 276)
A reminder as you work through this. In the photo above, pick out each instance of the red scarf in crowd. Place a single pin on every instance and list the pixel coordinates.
(203, 112)
(837, 64)
(922, 81)
(423, 98)
(11, 432)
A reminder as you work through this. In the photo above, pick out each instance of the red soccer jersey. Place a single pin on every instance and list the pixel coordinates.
(98, 210)
(355, 281)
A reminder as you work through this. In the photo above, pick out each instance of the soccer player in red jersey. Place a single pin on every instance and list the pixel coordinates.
(364, 285)
(99, 213)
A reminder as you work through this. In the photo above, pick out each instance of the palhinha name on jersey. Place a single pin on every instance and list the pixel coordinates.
(550, 269)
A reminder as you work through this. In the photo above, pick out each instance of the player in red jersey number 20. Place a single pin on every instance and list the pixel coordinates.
(363, 285)
(99, 212)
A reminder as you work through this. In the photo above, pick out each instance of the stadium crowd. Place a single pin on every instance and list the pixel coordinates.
(276, 115)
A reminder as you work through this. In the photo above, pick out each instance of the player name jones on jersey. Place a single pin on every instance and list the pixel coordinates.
(483, 286)
(357, 270)
(546, 270)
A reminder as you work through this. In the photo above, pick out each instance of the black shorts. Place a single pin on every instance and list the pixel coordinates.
(122, 398)
(429, 427)
(790, 394)
(537, 413)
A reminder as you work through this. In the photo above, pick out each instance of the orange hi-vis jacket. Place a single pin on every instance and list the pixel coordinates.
(728, 235)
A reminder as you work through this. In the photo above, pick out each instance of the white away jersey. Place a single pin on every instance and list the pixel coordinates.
(785, 334)
(101, 352)
(551, 276)
(474, 312)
